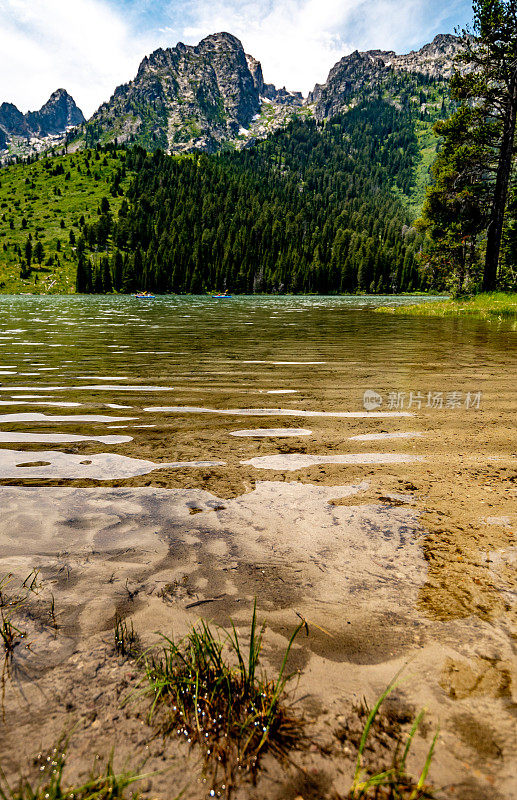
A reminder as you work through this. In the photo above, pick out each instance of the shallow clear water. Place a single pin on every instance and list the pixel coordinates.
(182, 367)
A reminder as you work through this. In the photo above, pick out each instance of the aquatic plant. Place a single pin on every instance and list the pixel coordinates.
(207, 689)
(100, 786)
(10, 635)
(126, 640)
(5, 580)
(31, 582)
(492, 305)
(393, 783)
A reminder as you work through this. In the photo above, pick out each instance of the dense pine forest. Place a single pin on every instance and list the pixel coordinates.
(316, 207)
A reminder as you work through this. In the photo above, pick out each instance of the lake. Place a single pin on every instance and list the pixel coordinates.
(180, 456)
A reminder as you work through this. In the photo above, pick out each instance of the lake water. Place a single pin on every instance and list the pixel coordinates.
(227, 445)
(177, 374)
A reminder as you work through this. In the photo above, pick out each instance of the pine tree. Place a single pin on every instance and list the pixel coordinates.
(117, 271)
(83, 280)
(28, 252)
(465, 209)
(493, 84)
(38, 252)
(107, 284)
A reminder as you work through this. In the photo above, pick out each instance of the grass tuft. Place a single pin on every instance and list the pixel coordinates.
(393, 783)
(208, 690)
(5, 580)
(100, 786)
(10, 635)
(126, 640)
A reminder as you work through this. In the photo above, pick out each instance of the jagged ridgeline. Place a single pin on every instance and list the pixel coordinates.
(316, 207)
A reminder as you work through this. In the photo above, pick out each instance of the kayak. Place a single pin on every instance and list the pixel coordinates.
(221, 296)
(144, 296)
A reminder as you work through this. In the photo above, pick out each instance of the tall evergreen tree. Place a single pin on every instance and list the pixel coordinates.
(493, 84)
(467, 208)
(83, 280)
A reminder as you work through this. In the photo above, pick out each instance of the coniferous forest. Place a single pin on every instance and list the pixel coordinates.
(316, 207)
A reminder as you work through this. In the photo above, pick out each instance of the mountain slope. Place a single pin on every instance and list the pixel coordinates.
(309, 209)
(45, 202)
(401, 78)
(186, 98)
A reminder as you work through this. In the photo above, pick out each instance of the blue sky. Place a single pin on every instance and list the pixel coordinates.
(90, 46)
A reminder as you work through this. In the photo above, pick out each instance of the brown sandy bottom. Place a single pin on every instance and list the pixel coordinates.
(380, 592)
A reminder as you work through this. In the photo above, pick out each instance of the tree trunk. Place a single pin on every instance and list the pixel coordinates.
(495, 227)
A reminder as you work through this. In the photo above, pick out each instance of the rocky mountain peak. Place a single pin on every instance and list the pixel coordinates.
(12, 121)
(255, 69)
(435, 59)
(199, 97)
(221, 40)
(59, 113)
(186, 97)
(364, 72)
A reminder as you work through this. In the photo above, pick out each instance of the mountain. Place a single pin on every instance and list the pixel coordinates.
(203, 97)
(213, 95)
(311, 208)
(189, 98)
(59, 113)
(12, 121)
(364, 75)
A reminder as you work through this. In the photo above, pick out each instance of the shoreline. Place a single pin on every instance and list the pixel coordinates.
(483, 306)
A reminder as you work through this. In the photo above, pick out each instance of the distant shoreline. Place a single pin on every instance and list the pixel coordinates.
(496, 304)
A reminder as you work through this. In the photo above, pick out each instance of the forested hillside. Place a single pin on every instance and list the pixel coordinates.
(45, 207)
(317, 207)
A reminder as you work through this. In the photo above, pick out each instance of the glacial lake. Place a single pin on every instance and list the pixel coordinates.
(225, 448)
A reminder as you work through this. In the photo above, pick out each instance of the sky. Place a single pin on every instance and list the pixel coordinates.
(89, 47)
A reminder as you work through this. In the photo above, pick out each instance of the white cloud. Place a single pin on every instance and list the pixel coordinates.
(90, 46)
(298, 41)
(80, 45)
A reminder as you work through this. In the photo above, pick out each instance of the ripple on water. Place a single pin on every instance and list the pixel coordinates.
(288, 363)
(378, 437)
(54, 465)
(278, 412)
(122, 388)
(294, 461)
(272, 432)
(39, 403)
(100, 378)
(59, 438)
(38, 417)
(94, 388)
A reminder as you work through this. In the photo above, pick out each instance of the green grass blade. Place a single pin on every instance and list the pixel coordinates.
(423, 776)
(411, 735)
(366, 729)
